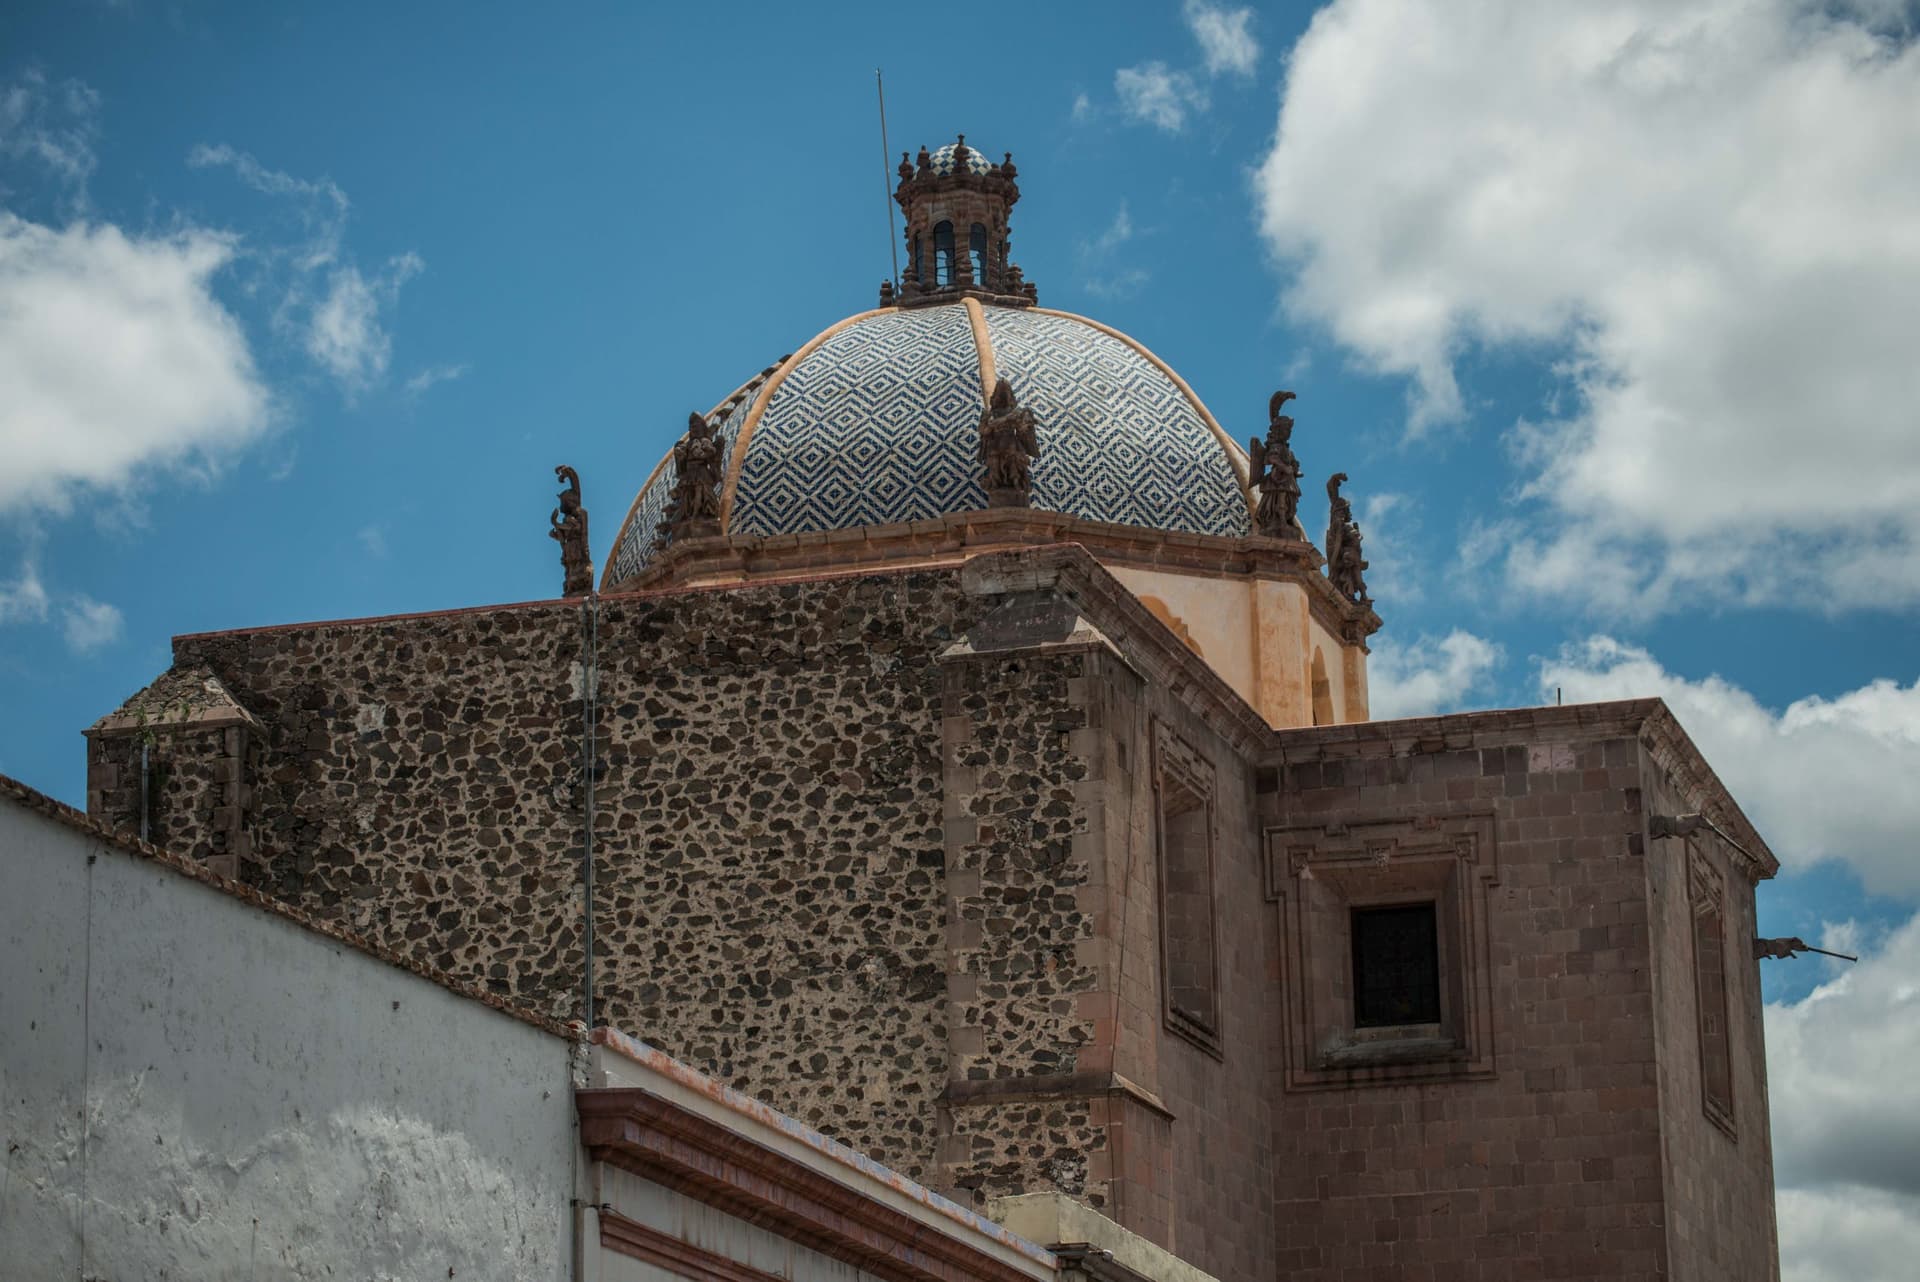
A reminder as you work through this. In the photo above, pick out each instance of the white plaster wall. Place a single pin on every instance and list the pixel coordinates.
(191, 1087)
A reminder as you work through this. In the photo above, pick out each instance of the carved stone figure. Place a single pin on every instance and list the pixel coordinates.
(1346, 568)
(693, 505)
(1276, 474)
(568, 525)
(1007, 444)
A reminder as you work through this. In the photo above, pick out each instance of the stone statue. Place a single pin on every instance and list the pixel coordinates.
(1276, 474)
(1346, 568)
(693, 505)
(1007, 443)
(568, 525)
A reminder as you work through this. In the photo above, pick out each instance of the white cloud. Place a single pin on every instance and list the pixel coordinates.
(25, 599)
(328, 303)
(344, 334)
(1429, 676)
(1846, 1131)
(1847, 1234)
(1082, 109)
(90, 624)
(1226, 42)
(433, 375)
(115, 357)
(1823, 779)
(1153, 94)
(373, 540)
(54, 125)
(1101, 273)
(1702, 209)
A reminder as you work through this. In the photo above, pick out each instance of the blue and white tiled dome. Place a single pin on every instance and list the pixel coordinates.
(876, 421)
(977, 162)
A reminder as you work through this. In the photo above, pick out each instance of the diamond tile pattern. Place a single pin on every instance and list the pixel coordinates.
(1119, 440)
(942, 160)
(878, 424)
(636, 545)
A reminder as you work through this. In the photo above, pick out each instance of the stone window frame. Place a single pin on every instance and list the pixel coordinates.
(1182, 775)
(1707, 914)
(1317, 874)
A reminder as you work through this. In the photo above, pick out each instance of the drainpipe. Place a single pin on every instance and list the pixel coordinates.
(144, 807)
(590, 710)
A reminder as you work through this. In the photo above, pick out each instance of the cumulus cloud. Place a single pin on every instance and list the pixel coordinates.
(1821, 779)
(331, 306)
(1846, 1135)
(1153, 94)
(1701, 210)
(1429, 675)
(90, 624)
(115, 356)
(1225, 36)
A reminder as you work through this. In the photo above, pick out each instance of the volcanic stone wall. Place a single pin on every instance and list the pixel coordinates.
(1021, 941)
(768, 849)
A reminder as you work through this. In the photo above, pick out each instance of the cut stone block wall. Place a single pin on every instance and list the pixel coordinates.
(1558, 1161)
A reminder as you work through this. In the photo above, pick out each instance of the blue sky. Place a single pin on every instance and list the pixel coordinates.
(1607, 312)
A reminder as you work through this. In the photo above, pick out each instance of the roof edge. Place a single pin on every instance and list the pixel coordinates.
(61, 813)
(1649, 720)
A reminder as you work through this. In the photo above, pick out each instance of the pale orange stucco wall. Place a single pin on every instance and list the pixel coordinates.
(1259, 635)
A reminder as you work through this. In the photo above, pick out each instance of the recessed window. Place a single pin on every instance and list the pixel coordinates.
(1708, 901)
(1396, 966)
(1188, 952)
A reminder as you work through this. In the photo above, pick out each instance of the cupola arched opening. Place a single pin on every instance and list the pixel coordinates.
(977, 250)
(943, 253)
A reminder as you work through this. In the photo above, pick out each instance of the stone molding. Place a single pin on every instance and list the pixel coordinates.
(945, 540)
(1315, 874)
(652, 1137)
(670, 1254)
(1648, 720)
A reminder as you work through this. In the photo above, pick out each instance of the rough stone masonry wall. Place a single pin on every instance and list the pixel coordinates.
(1020, 944)
(1719, 1187)
(769, 851)
(1551, 1169)
(418, 785)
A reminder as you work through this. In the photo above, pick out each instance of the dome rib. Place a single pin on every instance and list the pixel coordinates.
(737, 456)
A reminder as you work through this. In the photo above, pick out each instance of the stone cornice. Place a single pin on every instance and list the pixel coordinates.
(948, 539)
(1141, 639)
(1648, 720)
(652, 1137)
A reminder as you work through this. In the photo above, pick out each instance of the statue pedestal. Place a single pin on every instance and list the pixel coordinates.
(1007, 498)
(706, 528)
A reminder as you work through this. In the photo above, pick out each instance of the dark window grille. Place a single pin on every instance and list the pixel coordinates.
(977, 250)
(1396, 966)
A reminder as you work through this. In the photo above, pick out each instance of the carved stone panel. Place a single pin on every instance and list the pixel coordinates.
(1320, 876)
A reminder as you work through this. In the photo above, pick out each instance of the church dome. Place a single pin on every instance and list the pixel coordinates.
(941, 160)
(876, 422)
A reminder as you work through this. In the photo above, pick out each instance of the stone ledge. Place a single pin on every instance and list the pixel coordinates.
(1088, 1242)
